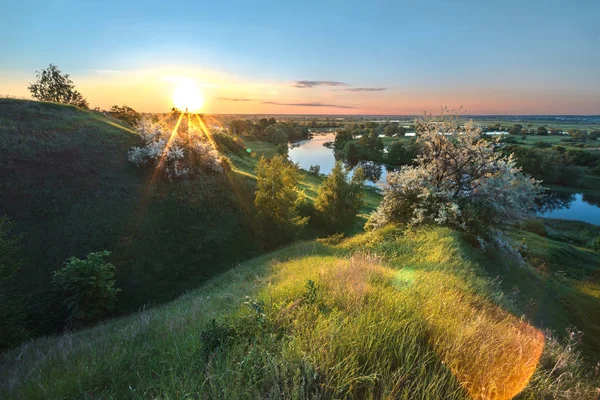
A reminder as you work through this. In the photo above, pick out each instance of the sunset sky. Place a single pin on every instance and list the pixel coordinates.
(505, 57)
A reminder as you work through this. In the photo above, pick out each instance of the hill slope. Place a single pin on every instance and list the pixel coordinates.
(66, 182)
(382, 314)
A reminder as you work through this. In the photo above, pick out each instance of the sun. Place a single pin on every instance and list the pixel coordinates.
(187, 96)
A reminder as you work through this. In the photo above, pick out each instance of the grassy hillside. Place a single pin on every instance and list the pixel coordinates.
(66, 182)
(419, 314)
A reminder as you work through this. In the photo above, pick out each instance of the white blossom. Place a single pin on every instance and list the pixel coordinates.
(459, 180)
(178, 157)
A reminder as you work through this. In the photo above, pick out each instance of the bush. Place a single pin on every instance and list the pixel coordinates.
(542, 145)
(175, 155)
(90, 287)
(125, 114)
(459, 180)
(227, 144)
(338, 200)
(534, 226)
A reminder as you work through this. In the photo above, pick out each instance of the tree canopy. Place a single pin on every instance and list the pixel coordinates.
(52, 85)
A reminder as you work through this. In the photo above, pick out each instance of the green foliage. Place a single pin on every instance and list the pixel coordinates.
(314, 169)
(277, 200)
(226, 143)
(515, 129)
(338, 200)
(52, 85)
(400, 153)
(125, 114)
(276, 134)
(551, 166)
(534, 226)
(89, 286)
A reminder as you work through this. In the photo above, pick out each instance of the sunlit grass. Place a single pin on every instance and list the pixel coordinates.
(382, 315)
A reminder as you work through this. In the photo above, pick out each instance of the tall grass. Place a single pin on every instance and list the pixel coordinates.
(381, 315)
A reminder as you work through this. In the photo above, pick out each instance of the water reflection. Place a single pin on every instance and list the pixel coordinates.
(314, 152)
(372, 170)
(570, 206)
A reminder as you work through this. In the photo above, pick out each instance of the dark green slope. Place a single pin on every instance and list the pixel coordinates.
(66, 183)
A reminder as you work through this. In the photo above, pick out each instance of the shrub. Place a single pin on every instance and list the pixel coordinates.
(90, 287)
(542, 145)
(173, 154)
(125, 114)
(534, 226)
(459, 180)
(338, 200)
(227, 143)
(277, 200)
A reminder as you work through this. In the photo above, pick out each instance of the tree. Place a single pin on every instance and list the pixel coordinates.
(89, 286)
(579, 135)
(516, 129)
(402, 153)
(542, 131)
(276, 135)
(459, 180)
(277, 200)
(53, 86)
(389, 130)
(126, 114)
(338, 200)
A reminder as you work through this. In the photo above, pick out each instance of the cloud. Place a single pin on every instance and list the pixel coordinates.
(365, 89)
(234, 99)
(314, 104)
(310, 84)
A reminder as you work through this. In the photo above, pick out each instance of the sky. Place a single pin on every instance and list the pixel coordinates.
(325, 57)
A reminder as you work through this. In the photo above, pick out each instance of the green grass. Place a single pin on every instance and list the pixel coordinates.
(66, 182)
(382, 314)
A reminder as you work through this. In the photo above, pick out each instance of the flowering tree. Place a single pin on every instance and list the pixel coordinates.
(459, 179)
(173, 154)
